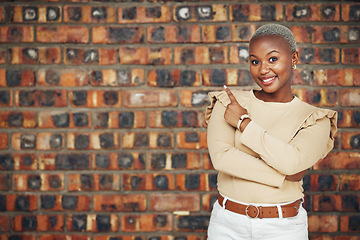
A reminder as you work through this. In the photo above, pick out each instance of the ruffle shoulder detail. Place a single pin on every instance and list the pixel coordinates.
(220, 96)
(318, 114)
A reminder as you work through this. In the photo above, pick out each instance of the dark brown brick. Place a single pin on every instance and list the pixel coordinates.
(119, 161)
(16, 119)
(141, 14)
(152, 182)
(174, 160)
(116, 34)
(115, 78)
(313, 12)
(12, 34)
(93, 182)
(92, 222)
(89, 14)
(17, 78)
(146, 222)
(256, 12)
(34, 55)
(173, 34)
(38, 182)
(40, 98)
(173, 78)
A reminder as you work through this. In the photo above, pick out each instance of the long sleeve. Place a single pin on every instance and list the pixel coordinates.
(228, 159)
(302, 152)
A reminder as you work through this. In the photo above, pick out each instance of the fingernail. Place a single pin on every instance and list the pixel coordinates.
(225, 86)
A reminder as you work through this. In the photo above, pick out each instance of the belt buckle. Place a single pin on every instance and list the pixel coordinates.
(247, 211)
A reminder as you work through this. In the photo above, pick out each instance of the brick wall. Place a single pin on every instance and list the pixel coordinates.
(102, 130)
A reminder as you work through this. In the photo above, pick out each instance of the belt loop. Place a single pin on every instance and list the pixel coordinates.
(224, 202)
(279, 211)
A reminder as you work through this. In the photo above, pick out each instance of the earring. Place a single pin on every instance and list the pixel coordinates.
(293, 67)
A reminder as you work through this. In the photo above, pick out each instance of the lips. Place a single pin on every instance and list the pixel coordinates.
(268, 81)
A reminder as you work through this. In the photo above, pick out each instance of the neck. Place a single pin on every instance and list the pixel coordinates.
(274, 97)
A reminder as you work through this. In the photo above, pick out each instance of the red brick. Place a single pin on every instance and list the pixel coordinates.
(194, 98)
(326, 223)
(315, 55)
(21, 202)
(12, 78)
(302, 34)
(38, 182)
(174, 160)
(6, 99)
(4, 182)
(208, 201)
(123, 120)
(42, 141)
(40, 55)
(61, 119)
(120, 203)
(349, 97)
(350, 182)
(62, 77)
(173, 78)
(195, 182)
(62, 34)
(164, 119)
(122, 237)
(186, 223)
(350, 223)
(335, 34)
(89, 14)
(2, 16)
(146, 223)
(155, 181)
(119, 161)
(349, 160)
(318, 97)
(207, 162)
(219, 77)
(13, 34)
(13, 119)
(152, 140)
(350, 55)
(4, 142)
(82, 203)
(43, 223)
(350, 140)
(64, 161)
(141, 14)
(312, 12)
(150, 98)
(323, 182)
(114, 78)
(95, 98)
(327, 203)
(116, 34)
(200, 55)
(175, 202)
(191, 140)
(337, 77)
(63, 237)
(256, 12)
(145, 55)
(348, 118)
(173, 34)
(93, 182)
(16, 14)
(90, 223)
(228, 33)
(5, 222)
(79, 56)
(23, 237)
(301, 77)
(239, 55)
(25, 161)
(349, 13)
(2, 56)
(96, 140)
(195, 13)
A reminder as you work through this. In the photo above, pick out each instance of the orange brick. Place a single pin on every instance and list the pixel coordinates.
(64, 161)
(194, 98)
(38, 14)
(24, 119)
(318, 97)
(12, 78)
(95, 98)
(350, 182)
(146, 223)
(16, 34)
(327, 223)
(5, 182)
(89, 14)
(323, 182)
(63, 237)
(142, 14)
(2, 17)
(350, 140)
(190, 13)
(26, 161)
(348, 12)
(41, 55)
(335, 34)
(327, 203)
(38, 182)
(42, 141)
(312, 12)
(93, 182)
(191, 140)
(150, 98)
(349, 160)
(152, 140)
(62, 77)
(348, 118)
(302, 34)
(173, 34)
(5, 222)
(145, 55)
(119, 161)
(65, 202)
(349, 223)
(207, 162)
(115, 34)
(350, 55)
(155, 181)
(196, 182)
(256, 12)
(120, 203)
(208, 201)
(41, 98)
(337, 77)
(175, 202)
(172, 78)
(62, 34)
(349, 97)
(21, 202)
(219, 77)
(239, 54)
(79, 56)
(163, 119)
(94, 140)
(227, 33)
(114, 78)
(174, 160)
(200, 55)
(311, 55)
(122, 237)
(2, 56)
(61, 119)
(92, 223)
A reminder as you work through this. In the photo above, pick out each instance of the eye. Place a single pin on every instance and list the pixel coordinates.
(273, 59)
(254, 62)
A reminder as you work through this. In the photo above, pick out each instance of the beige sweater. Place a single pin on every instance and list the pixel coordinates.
(282, 139)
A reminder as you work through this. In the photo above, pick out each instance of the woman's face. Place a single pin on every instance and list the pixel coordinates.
(271, 62)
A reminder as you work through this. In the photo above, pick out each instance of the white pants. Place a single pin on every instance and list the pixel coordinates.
(226, 225)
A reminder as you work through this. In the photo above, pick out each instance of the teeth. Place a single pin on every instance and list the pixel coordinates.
(268, 80)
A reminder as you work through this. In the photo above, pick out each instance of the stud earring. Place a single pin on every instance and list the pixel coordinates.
(293, 67)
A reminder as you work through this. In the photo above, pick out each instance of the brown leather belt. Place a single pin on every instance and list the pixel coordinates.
(252, 211)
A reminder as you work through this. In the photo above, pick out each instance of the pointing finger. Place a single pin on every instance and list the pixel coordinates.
(230, 94)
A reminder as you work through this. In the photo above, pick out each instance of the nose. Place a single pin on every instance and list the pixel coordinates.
(264, 68)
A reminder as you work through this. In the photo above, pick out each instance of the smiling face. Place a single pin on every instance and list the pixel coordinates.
(271, 62)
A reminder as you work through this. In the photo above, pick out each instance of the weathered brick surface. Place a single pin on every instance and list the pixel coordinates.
(102, 129)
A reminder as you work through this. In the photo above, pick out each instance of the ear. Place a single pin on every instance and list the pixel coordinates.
(294, 58)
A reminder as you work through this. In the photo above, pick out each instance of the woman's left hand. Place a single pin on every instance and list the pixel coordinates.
(233, 110)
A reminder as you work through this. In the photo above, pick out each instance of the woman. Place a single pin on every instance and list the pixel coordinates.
(262, 142)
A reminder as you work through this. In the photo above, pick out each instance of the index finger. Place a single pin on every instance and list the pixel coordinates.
(230, 94)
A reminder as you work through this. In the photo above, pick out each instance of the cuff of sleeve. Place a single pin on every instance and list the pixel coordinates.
(251, 136)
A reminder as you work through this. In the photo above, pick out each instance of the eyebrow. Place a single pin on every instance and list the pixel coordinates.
(252, 55)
